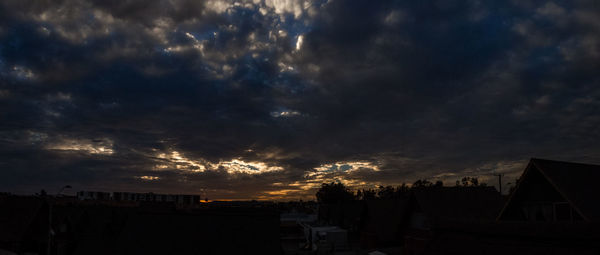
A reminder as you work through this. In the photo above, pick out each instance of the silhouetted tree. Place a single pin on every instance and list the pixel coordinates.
(368, 194)
(334, 192)
(403, 189)
(422, 183)
(470, 182)
(387, 192)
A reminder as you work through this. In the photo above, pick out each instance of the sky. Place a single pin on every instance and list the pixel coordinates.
(267, 99)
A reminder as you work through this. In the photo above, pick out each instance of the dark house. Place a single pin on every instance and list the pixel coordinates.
(382, 222)
(555, 191)
(431, 208)
(346, 214)
(552, 210)
(428, 206)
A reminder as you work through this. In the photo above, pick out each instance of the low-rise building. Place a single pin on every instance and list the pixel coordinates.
(93, 195)
(139, 197)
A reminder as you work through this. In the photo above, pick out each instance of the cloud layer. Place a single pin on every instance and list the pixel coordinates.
(266, 99)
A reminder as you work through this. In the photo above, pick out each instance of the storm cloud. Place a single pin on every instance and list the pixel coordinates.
(267, 99)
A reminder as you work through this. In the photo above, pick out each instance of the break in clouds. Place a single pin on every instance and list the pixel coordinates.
(267, 99)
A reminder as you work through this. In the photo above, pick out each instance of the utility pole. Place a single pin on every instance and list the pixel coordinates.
(499, 182)
(50, 231)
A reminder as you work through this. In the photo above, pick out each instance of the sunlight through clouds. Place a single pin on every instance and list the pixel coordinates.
(175, 160)
(102, 146)
(23, 73)
(272, 98)
(149, 178)
(347, 166)
(299, 42)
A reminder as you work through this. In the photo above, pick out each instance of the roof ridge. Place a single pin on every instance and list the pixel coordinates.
(564, 162)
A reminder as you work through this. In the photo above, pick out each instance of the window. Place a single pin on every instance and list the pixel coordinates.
(562, 212)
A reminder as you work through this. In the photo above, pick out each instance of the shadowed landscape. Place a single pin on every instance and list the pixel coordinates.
(547, 212)
(299, 127)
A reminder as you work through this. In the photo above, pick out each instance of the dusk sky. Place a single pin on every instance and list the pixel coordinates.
(267, 99)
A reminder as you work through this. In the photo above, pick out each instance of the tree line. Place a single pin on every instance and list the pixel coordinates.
(337, 191)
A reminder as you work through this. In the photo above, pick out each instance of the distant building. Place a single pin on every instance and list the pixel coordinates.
(124, 196)
(93, 195)
(555, 191)
(152, 197)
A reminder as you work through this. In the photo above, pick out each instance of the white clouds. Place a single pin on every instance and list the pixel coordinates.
(218, 6)
(288, 6)
(251, 167)
(347, 166)
(214, 78)
(162, 27)
(283, 114)
(157, 27)
(149, 178)
(191, 36)
(394, 17)
(60, 96)
(551, 10)
(299, 42)
(23, 73)
(279, 7)
(44, 31)
(73, 21)
(585, 47)
(101, 147)
(175, 160)
(296, 8)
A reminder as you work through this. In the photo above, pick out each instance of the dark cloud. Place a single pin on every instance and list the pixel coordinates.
(269, 99)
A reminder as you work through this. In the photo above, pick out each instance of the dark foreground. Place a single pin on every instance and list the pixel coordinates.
(553, 210)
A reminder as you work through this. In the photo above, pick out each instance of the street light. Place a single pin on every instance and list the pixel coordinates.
(50, 218)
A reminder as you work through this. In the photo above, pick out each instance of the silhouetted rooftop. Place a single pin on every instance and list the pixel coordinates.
(469, 203)
(576, 182)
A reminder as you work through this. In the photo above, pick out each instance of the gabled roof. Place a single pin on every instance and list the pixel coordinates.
(459, 203)
(578, 183)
